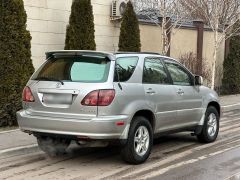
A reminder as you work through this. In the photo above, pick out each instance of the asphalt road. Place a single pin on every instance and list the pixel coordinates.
(178, 156)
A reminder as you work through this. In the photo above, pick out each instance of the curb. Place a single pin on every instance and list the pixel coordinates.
(231, 107)
(9, 131)
(10, 150)
(234, 177)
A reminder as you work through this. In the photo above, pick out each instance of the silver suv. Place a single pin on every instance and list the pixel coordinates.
(96, 98)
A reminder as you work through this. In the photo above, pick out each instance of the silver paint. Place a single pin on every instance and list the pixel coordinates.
(171, 110)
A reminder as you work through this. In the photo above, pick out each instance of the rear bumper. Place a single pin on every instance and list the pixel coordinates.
(96, 128)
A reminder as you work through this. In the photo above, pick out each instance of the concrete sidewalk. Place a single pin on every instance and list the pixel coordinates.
(15, 138)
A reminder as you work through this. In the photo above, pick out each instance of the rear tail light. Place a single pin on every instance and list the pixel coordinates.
(99, 98)
(105, 97)
(27, 95)
(91, 99)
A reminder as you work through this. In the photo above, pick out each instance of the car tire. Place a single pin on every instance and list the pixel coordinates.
(211, 126)
(140, 140)
(53, 146)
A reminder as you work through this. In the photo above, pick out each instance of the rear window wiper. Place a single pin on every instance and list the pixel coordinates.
(49, 79)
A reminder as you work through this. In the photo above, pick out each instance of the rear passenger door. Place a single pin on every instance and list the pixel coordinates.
(189, 99)
(160, 94)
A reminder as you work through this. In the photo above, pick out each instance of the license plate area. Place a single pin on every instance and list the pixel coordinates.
(59, 98)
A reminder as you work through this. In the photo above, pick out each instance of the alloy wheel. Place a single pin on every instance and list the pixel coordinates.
(212, 125)
(141, 141)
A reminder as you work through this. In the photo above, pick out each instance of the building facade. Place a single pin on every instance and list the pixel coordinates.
(47, 21)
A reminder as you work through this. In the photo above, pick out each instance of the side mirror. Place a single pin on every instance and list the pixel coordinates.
(198, 81)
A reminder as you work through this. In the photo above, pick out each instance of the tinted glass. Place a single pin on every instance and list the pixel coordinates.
(178, 74)
(154, 72)
(79, 69)
(125, 67)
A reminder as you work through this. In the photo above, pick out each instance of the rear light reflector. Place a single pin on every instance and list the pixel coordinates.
(99, 98)
(27, 95)
(120, 123)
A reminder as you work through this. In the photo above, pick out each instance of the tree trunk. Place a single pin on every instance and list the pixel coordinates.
(163, 23)
(214, 58)
(163, 35)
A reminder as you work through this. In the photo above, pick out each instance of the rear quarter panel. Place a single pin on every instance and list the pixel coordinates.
(130, 95)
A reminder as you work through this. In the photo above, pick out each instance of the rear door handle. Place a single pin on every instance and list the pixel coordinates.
(150, 91)
(180, 92)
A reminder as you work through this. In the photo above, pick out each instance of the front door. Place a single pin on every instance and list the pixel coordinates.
(189, 100)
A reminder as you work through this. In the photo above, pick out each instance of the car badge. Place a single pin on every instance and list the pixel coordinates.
(58, 85)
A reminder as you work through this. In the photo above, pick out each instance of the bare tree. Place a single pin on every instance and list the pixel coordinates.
(168, 12)
(220, 16)
(190, 61)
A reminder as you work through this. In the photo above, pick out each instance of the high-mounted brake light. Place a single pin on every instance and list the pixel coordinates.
(27, 95)
(99, 98)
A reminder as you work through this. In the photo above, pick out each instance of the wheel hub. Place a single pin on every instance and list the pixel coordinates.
(212, 125)
(141, 141)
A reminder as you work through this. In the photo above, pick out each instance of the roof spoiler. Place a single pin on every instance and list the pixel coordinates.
(79, 53)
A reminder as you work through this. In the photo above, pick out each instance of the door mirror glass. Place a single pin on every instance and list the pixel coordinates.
(198, 80)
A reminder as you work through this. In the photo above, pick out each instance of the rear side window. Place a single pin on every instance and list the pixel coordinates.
(124, 68)
(76, 69)
(154, 72)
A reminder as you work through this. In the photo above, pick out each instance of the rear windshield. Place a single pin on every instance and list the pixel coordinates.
(76, 69)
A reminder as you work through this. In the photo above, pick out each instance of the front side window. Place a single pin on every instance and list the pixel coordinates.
(154, 72)
(178, 74)
(76, 69)
(124, 68)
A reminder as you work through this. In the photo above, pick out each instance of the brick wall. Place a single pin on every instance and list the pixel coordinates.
(47, 20)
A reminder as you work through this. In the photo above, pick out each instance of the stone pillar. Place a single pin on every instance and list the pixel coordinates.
(200, 30)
